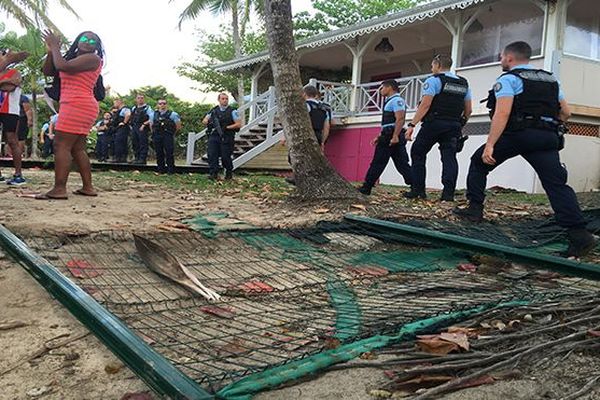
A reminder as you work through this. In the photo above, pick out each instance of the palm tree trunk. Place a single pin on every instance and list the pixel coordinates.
(237, 46)
(315, 177)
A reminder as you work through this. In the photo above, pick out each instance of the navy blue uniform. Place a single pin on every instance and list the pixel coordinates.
(164, 128)
(139, 138)
(221, 145)
(383, 150)
(531, 132)
(442, 125)
(121, 134)
(103, 128)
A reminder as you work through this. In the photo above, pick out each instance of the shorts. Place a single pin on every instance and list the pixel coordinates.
(22, 129)
(9, 122)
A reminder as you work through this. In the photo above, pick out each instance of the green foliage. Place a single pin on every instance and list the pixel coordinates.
(217, 48)
(31, 68)
(34, 13)
(307, 25)
(341, 13)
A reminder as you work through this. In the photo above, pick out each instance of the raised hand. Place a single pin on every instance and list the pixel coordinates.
(51, 39)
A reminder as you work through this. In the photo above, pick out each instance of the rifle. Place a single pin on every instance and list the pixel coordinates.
(462, 138)
(216, 124)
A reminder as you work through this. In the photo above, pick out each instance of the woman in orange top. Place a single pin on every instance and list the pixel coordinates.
(78, 70)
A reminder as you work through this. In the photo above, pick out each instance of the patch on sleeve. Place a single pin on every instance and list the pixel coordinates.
(400, 103)
(426, 86)
(497, 87)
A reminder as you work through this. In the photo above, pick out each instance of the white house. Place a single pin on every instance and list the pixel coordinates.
(565, 36)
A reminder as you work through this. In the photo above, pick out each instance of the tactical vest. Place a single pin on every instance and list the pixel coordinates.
(449, 104)
(163, 124)
(318, 115)
(139, 115)
(225, 118)
(388, 117)
(537, 107)
(117, 118)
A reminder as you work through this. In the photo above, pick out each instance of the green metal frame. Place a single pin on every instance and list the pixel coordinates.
(150, 366)
(559, 264)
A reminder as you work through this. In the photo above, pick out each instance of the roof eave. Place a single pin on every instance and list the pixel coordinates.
(405, 17)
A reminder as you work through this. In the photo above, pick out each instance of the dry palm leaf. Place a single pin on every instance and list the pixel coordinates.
(164, 263)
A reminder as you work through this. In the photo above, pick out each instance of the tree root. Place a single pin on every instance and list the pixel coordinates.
(591, 384)
(534, 332)
(452, 385)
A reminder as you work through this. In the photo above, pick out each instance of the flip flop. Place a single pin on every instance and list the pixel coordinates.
(46, 196)
(80, 192)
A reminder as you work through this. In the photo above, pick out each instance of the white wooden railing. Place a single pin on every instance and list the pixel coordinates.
(264, 111)
(370, 101)
(337, 95)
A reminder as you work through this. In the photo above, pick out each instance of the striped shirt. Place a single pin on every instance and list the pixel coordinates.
(9, 101)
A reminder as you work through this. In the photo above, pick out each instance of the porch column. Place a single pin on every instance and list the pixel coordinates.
(358, 50)
(457, 37)
(556, 19)
(256, 74)
(357, 59)
(457, 28)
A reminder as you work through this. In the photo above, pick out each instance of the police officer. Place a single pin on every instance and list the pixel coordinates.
(391, 142)
(528, 108)
(25, 121)
(47, 136)
(319, 113)
(320, 120)
(103, 128)
(165, 125)
(222, 123)
(120, 126)
(141, 119)
(444, 109)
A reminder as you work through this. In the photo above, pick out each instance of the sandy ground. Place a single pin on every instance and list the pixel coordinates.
(84, 368)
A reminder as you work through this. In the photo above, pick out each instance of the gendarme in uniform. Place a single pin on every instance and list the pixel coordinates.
(164, 128)
(533, 132)
(441, 125)
(383, 150)
(141, 117)
(221, 142)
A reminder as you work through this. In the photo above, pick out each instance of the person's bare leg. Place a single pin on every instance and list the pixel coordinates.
(13, 142)
(82, 161)
(63, 145)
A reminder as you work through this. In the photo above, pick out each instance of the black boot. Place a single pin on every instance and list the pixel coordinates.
(213, 177)
(228, 175)
(365, 189)
(581, 242)
(447, 196)
(473, 213)
(413, 194)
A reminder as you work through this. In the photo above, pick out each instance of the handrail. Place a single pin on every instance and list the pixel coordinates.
(266, 99)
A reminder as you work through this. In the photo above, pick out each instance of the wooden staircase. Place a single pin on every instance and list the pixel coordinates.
(252, 138)
(247, 141)
(257, 136)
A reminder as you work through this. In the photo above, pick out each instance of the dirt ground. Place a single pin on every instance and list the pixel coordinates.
(85, 369)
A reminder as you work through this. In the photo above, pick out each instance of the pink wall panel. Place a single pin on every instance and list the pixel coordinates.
(350, 152)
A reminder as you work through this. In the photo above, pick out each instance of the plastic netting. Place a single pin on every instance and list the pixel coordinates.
(537, 233)
(286, 294)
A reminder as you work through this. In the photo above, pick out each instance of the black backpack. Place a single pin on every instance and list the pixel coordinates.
(53, 90)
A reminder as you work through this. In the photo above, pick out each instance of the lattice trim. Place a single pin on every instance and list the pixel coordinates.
(364, 28)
